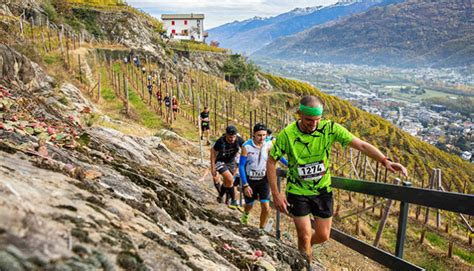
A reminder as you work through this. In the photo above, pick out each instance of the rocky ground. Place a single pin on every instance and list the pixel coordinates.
(80, 198)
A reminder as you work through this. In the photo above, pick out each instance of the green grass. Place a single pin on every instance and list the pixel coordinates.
(116, 67)
(375, 227)
(52, 58)
(433, 93)
(435, 239)
(196, 46)
(465, 255)
(148, 117)
(440, 243)
(430, 264)
(108, 94)
(429, 94)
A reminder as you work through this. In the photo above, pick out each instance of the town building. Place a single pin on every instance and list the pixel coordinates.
(184, 26)
(438, 108)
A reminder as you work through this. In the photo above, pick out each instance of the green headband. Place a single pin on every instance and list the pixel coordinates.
(311, 111)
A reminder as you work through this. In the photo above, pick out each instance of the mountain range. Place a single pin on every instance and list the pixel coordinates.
(251, 35)
(409, 34)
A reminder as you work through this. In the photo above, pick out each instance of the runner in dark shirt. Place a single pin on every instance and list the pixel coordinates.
(223, 154)
(205, 124)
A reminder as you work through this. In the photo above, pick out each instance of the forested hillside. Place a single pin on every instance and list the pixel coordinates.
(408, 34)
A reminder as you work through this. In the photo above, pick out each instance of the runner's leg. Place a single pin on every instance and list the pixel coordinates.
(228, 183)
(265, 206)
(304, 231)
(322, 230)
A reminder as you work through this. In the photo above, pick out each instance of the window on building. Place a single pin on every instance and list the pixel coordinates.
(185, 22)
(172, 22)
(173, 31)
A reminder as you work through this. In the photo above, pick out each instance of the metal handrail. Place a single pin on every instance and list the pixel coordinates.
(455, 202)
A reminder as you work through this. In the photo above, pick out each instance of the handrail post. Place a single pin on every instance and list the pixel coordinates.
(241, 187)
(279, 173)
(278, 212)
(402, 226)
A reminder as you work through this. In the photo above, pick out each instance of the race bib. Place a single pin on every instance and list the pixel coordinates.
(313, 171)
(256, 175)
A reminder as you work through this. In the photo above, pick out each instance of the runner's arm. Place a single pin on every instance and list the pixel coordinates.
(213, 162)
(284, 161)
(279, 200)
(374, 153)
(271, 175)
(243, 160)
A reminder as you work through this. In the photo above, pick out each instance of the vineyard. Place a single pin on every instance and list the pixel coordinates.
(98, 2)
(124, 89)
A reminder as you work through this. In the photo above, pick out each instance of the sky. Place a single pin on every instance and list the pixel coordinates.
(218, 12)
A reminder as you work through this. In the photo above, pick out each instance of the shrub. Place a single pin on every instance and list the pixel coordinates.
(50, 11)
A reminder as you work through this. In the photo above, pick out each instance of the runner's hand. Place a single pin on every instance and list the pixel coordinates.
(248, 191)
(394, 167)
(280, 203)
(213, 172)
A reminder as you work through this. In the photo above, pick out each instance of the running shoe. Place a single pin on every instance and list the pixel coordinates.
(245, 218)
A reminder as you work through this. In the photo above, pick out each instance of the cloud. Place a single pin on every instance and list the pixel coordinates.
(218, 12)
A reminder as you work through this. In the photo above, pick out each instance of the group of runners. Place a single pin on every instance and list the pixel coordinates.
(306, 144)
(169, 101)
(152, 79)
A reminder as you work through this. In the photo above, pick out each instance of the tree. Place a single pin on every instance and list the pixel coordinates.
(241, 73)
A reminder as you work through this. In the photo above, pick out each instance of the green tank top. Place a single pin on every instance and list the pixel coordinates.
(309, 155)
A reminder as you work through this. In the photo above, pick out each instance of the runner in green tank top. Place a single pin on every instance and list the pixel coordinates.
(307, 143)
(308, 155)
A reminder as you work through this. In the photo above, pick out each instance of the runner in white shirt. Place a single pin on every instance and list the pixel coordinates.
(252, 169)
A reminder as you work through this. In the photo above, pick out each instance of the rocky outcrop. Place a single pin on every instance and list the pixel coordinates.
(19, 70)
(76, 101)
(75, 198)
(102, 205)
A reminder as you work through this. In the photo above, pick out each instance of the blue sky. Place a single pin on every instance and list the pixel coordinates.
(218, 12)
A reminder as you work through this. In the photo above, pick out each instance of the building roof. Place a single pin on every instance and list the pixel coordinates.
(181, 16)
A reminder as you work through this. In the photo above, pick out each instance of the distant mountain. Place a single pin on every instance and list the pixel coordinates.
(410, 34)
(250, 35)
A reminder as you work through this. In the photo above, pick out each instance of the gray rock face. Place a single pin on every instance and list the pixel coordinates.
(119, 201)
(123, 145)
(15, 67)
(106, 200)
(5, 10)
(19, 71)
(112, 208)
(130, 30)
(77, 101)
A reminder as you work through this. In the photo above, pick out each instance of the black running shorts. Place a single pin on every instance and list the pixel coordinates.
(223, 167)
(320, 205)
(260, 191)
(205, 126)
